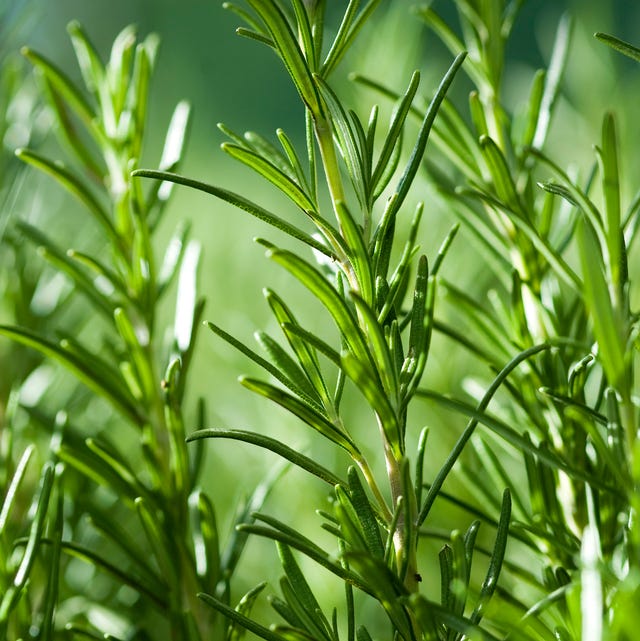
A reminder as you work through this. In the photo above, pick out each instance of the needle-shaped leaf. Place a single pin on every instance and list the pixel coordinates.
(417, 332)
(174, 143)
(272, 173)
(50, 599)
(265, 364)
(348, 142)
(533, 108)
(499, 169)
(12, 488)
(62, 84)
(356, 251)
(425, 129)
(273, 445)
(369, 384)
(187, 297)
(299, 595)
(100, 380)
(470, 428)
(396, 126)
(99, 469)
(608, 155)
(386, 587)
(432, 615)
(106, 279)
(116, 468)
(515, 438)
(172, 257)
(606, 320)
(117, 533)
(474, 68)
(366, 513)
(316, 283)
(294, 161)
(75, 186)
(576, 195)
(553, 77)
(263, 147)
(245, 516)
(67, 120)
(93, 72)
(244, 607)
(378, 347)
(313, 341)
(139, 90)
(545, 248)
(338, 45)
(36, 530)
(305, 32)
(397, 281)
(278, 531)
(65, 264)
(206, 541)
(156, 593)
(287, 46)
(304, 412)
(490, 582)
(119, 65)
(287, 365)
(239, 618)
(240, 202)
(159, 544)
(304, 349)
(135, 350)
(351, 530)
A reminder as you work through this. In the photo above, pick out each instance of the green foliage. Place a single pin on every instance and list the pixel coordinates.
(546, 471)
(142, 377)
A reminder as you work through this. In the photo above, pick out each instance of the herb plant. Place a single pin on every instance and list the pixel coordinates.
(544, 472)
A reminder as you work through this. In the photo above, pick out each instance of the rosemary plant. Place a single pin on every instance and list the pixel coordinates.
(144, 503)
(545, 471)
(383, 314)
(570, 413)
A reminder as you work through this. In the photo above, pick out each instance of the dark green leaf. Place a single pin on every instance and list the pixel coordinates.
(330, 298)
(240, 618)
(287, 46)
(396, 126)
(299, 596)
(274, 175)
(619, 45)
(425, 128)
(244, 607)
(470, 428)
(366, 514)
(490, 582)
(349, 28)
(273, 445)
(304, 412)
(240, 202)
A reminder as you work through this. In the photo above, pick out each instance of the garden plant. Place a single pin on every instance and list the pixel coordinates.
(502, 505)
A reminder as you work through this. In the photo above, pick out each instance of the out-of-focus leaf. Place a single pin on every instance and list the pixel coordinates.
(240, 202)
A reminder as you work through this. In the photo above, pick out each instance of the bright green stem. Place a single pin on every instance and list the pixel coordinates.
(404, 546)
(362, 463)
(324, 136)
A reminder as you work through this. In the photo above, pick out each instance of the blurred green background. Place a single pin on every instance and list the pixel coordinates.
(240, 83)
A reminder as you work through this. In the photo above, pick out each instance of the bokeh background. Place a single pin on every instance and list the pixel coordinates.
(231, 80)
